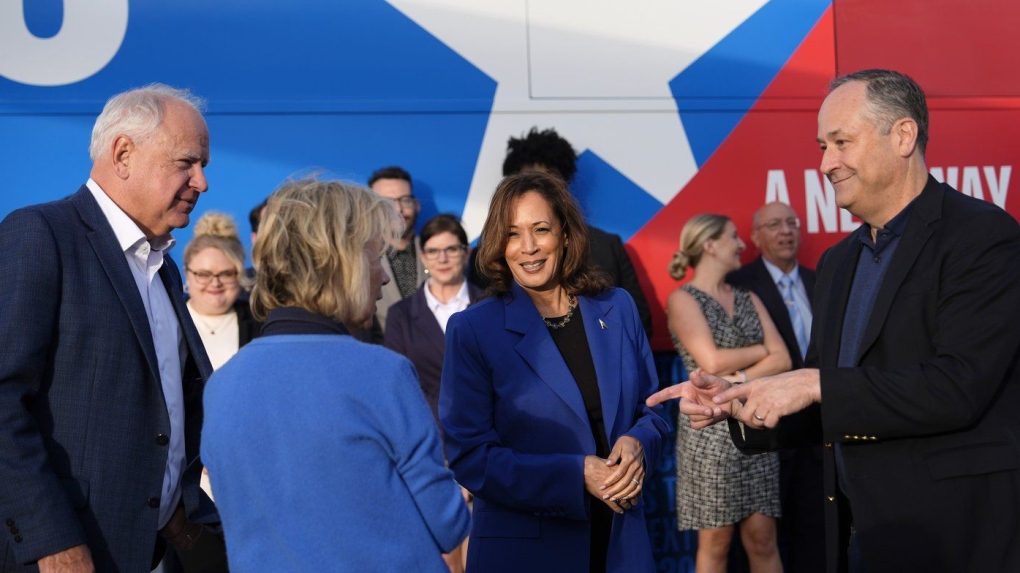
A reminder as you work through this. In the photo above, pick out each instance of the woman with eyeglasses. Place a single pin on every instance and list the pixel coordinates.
(416, 326)
(214, 277)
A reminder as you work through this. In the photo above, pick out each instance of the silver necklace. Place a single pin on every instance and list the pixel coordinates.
(555, 324)
(219, 325)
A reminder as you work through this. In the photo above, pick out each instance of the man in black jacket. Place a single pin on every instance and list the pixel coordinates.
(917, 335)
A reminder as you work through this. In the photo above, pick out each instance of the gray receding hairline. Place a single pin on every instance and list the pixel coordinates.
(890, 96)
(137, 113)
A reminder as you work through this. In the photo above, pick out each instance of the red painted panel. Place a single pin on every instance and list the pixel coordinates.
(775, 134)
(973, 145)
(950, 47)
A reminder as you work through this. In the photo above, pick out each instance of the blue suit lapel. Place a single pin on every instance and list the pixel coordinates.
(539, 351)
(108, 251)
(604, 327)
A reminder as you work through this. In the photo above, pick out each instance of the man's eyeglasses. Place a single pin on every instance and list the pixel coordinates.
(205, 277)
(453, 252)
(793, 223)
(405, 202)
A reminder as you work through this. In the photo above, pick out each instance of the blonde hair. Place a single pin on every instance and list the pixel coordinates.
(312, 248)
(218, 231)
(698, 229)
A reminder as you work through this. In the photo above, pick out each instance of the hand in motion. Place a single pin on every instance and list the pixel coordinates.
(696, 399)
(77, 559)
(766, 400)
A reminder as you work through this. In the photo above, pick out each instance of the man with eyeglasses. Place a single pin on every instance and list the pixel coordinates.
(402, 263)
(785, 288)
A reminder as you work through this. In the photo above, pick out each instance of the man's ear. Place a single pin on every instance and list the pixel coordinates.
(122, 154)
(905, 131)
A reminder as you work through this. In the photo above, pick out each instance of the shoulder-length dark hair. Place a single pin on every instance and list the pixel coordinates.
(575, 274)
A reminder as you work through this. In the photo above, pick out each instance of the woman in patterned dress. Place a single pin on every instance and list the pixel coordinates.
(724, 331)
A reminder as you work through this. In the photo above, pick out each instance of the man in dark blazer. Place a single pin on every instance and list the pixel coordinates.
(776, 233)
(917, 333)
(102, 373)
(548, 152)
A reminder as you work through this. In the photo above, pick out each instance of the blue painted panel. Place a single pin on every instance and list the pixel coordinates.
(728, 79)
(611, 201)
(302, 56)
(341, 87)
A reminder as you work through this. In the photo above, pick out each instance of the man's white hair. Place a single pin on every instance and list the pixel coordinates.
(136, 113)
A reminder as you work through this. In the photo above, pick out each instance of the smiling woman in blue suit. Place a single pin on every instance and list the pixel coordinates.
(542, 396)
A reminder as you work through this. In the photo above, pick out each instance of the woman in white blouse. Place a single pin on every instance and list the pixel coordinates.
(214, 279)
(416, 326)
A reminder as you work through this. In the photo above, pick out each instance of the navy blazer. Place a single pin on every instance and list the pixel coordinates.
(517, 431)
(83, 423)
(755, 277)
(412, 330)
(928, 419)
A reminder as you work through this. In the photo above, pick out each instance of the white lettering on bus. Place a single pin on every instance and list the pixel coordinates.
(824, 216)
(89, 37)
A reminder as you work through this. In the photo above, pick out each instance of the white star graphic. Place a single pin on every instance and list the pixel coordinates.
(596, 70)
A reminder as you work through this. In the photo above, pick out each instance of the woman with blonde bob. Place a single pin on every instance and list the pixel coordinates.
(725, 331)
(321, 449)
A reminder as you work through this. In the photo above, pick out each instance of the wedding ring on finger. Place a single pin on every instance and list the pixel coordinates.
(759, 418)
(636, 481)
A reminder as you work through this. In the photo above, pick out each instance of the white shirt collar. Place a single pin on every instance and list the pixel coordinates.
(129, 234)
(778, 273)
(460, 299)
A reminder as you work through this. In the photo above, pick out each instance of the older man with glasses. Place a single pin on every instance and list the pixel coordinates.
(785, 288)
